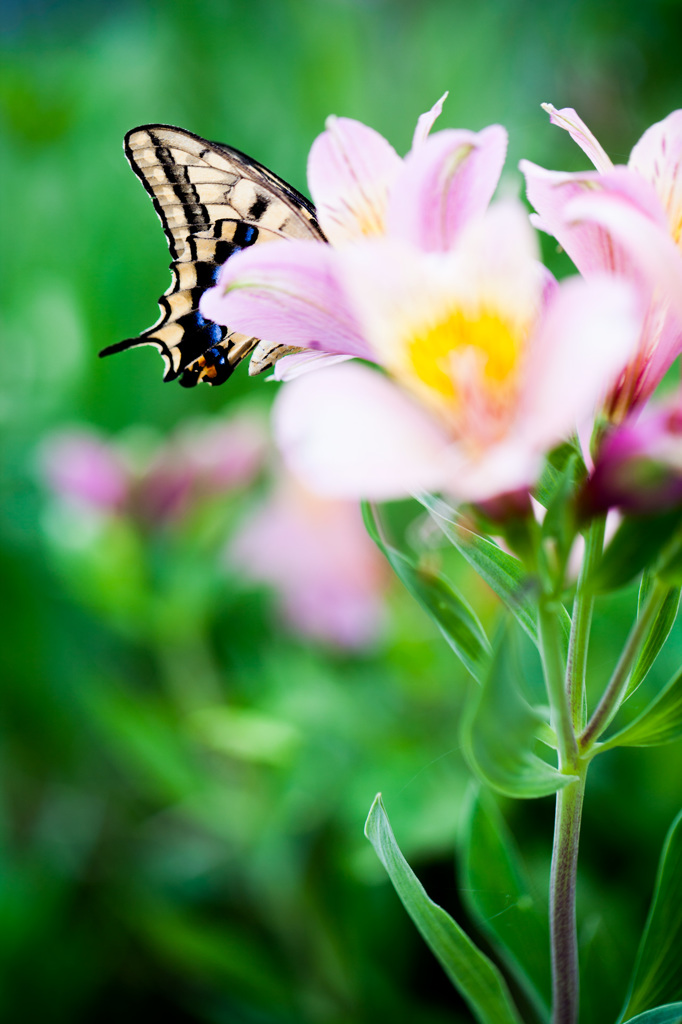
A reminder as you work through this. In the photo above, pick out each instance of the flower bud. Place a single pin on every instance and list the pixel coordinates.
(638, 467)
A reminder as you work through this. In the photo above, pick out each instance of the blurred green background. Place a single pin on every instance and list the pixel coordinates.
(183, 776)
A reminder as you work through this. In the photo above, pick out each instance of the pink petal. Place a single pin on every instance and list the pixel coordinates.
(511, 464)
(349, 432)
(648, 246)
(327, 590)
(350, 170)
(588, 335)
(286, 292)
(445, 182)
(591, 249)
(426, 121)
(661, 343)
(658, 158)
(568, 119)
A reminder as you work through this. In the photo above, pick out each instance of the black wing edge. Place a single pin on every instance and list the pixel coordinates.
(123, 346)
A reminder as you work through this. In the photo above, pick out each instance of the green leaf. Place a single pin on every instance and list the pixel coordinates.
(659, 723)
(657, 978)
(471, 972)
(500, 732)
(453, 615)
(658, 634)
(671, 1013)
(554, 472)
(500, 570)
(498, 895)
(635, 545)
(669, 566)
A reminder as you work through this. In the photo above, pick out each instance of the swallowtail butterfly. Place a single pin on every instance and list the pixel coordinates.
(212, 201)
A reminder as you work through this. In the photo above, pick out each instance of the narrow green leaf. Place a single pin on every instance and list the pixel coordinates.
(671, 1013)
(471, 972)
(659, 723)
(658, 635)
(636, 543)
(669, 566)
(498, 895)
(503, 573)
(454, 617)
(500, 732)
(657, 978)
(500, 570)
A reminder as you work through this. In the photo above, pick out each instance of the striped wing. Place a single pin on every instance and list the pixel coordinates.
(212, 201)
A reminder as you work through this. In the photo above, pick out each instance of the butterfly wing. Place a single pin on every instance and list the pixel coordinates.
(212, 201)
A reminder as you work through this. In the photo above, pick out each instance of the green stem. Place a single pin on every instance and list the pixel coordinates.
(569, 801)
(552, 662)
(581, 621)
(613, 694)
(563, 932)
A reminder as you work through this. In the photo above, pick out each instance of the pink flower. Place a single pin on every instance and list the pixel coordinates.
(81, 467)
(489, 361)
(639, 465)
(362, 190)
(329, 576)
(199, 460)
(627, 221)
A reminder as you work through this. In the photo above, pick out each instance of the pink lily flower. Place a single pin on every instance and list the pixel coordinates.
(627, 221)
(488, 361)
(362, 190)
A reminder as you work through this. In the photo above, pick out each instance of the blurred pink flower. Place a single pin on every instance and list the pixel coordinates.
(80, 466)
(316, 554)
(490, 362)
(198, 460)
(362, 190)
(627, 221)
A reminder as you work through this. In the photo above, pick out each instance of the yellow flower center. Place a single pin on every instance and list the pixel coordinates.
(435, 352)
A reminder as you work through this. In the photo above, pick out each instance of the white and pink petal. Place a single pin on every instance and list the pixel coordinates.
(567, 119)
(587, 337)
(647, 246)
(591, 249)
(657, 157)
(425, 122)
(444, 183)
(348, 431)
(351, 169)
(287, 292)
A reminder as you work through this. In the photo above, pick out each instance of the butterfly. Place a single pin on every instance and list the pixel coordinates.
(212, 201)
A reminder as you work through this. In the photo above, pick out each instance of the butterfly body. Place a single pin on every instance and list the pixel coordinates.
(213, 201)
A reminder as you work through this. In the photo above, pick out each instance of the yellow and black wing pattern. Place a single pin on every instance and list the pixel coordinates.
(212, 201)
